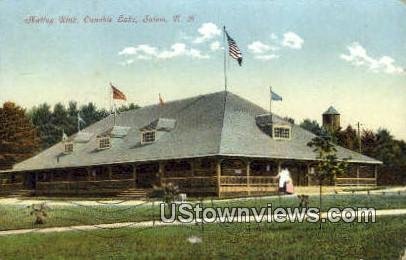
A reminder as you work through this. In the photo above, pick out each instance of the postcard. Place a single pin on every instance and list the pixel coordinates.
(183, 129)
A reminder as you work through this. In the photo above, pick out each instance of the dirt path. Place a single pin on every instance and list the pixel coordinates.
(144, 224)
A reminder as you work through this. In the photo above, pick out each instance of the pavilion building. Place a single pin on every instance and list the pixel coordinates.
(214, 144)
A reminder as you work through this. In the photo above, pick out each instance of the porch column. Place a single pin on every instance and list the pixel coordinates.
(110, 172)
(357, 175)
(279, 166)
(248, 177)
(89, 173)
(134, 175)
(218, 171)
(69, 175)
(308, 174)
(69, 178)
(192, 167)
(161, 172)
(376, 175)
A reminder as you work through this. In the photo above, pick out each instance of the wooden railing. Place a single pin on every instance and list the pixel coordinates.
(251, 180)
(355, 181)
(191, 182)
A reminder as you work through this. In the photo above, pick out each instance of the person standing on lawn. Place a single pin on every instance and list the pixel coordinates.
(284, 177)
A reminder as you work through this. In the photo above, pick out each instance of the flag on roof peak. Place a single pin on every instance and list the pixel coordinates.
(117, 94)
(275, 96)
(233, 49)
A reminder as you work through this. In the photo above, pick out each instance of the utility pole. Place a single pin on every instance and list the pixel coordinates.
(359, 137)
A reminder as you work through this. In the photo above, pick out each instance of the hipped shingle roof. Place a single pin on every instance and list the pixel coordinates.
(220, 123)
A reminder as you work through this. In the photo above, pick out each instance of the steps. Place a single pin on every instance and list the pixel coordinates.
(133, 193)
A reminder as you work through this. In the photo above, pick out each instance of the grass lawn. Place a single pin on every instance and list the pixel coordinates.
(384, 239)
(18, 217)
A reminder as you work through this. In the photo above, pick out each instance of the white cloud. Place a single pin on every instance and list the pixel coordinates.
(267, 57)
(258, 47)
(142, 48)
(146, 52)
(197, 54)
(292, 40)
(177, 49)
(207, 32)
(214, 46)
(267, 51)
(358, 56)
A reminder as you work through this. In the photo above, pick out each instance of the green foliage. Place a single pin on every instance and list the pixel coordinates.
(124, 108)
(171, 192)
(18, 216)
(348, 138)
(39, 211)
(312, 126)
(328, 165)
(379, 145)
(18, 137)
(382, 240)
(51, 124)
(289, 119)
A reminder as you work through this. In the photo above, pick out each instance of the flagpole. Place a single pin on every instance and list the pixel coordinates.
(225, 58)
(115, 112)
(270, 100)
(78, 123)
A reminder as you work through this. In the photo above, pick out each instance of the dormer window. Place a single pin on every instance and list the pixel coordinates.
(156, 129)
(104, 142)
(69, 147)
(281, 132)
(148, 137)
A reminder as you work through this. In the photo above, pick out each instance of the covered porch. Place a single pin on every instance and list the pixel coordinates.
(220, 176)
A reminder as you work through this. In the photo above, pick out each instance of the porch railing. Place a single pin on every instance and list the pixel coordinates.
(355, 181)
(191, 182)
(248, 180)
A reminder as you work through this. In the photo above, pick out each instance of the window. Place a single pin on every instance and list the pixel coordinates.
(104, 142)
(148, 137)
(68, 147)
(281, 132)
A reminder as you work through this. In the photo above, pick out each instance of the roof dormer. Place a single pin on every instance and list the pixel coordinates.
(148, 136)
(274, 126)
(104, 142)
(151, 132)
(68, 147)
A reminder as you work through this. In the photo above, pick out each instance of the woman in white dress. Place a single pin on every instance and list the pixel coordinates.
(284, 178)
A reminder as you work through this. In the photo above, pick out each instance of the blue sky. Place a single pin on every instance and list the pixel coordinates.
(350, 54)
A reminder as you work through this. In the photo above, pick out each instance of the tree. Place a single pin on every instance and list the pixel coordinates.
(72, 119)
(387, 149)
(348, 138)
(91, 114)
(18, 137)
(368, 143)
(131, 106)
(289, 119)
(52, 124)
(312, 126)
(328, 166)
(42, 118)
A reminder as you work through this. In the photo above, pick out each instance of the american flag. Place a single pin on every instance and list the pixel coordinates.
(233, 49)
(117, 94)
